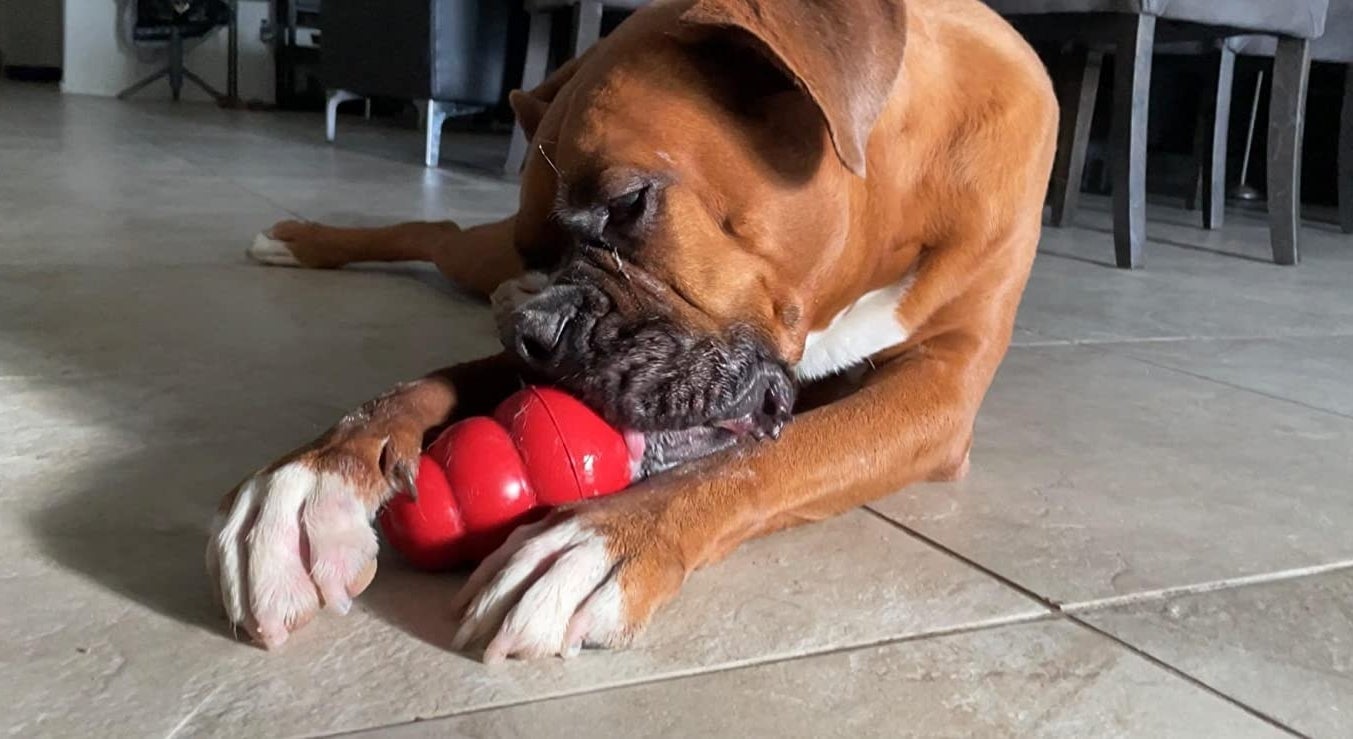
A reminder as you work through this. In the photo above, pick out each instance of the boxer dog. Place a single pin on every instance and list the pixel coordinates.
(734, 210)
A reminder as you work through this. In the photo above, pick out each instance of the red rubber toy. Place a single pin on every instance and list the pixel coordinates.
(484, 477)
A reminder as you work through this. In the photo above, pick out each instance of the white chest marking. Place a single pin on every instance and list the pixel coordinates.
(868, 326)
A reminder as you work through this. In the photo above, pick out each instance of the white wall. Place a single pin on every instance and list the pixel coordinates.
(99, 62)
(30, 32)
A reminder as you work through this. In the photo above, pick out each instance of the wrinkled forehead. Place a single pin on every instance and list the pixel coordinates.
(662, 104)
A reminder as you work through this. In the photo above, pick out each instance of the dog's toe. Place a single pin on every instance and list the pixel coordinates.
(525, 600)
(271, 251)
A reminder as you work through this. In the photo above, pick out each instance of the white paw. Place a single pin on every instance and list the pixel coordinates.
(550, 590)
(291, 539)
(267, 250)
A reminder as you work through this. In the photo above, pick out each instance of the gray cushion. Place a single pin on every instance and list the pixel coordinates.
(1335, 46)
(447, 50)
(1301, 18)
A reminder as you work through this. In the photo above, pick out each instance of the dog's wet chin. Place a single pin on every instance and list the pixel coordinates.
(663, 450)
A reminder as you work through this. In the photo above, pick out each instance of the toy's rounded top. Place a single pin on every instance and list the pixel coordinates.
(569, 451)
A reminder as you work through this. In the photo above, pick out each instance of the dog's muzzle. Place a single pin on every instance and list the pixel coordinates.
(689, 393)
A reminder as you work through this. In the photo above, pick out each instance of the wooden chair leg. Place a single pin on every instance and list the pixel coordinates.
(533, 73)
(1346, 155)
(1214, 163)
(1131, 105)
(1286, 125)
(1078, 87)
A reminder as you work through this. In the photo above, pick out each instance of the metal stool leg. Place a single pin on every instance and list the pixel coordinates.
(212, 91)
(533, 73)
(175, 71)
(586, 25)
(437, 113)
(335, 99)
(139, 86)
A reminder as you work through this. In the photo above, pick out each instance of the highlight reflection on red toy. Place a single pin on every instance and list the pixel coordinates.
(485, 476)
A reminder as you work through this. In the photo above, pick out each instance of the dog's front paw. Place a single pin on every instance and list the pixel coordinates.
(588, 577)
(298, 244)
(298, 535)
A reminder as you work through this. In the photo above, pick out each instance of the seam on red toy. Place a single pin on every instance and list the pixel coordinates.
(563, 440)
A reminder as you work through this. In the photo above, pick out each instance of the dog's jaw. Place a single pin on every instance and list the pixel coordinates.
(653, 450)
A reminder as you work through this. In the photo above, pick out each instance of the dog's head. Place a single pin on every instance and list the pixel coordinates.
(689, 195)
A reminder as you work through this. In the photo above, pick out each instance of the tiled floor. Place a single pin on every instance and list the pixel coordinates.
(1154, 541)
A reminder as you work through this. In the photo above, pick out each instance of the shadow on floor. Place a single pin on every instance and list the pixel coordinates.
(115, 526)
(121, 526)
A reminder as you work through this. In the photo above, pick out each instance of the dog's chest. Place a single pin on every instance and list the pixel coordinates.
(865, 328)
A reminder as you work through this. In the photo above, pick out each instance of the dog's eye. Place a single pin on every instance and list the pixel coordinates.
(629, 206)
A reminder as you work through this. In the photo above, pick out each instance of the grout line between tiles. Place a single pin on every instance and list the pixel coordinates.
(1211, 586)
(1111, 347)
(213, 172)
(1060, 612)
(732, 666)
(1181, 674)
(1047, 603)
(1128, 341)
(1234, 386)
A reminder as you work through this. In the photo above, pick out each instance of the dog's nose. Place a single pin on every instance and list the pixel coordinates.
(765, 405)
(548, 331)
(539, 332)
(776, 406)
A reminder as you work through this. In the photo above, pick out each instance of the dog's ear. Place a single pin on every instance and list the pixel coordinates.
(846, 54)
(530, 105)
(529, 110)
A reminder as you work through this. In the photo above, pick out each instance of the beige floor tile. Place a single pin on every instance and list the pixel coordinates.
(414, 195)
(1314, 371)
(118, 631)
(1045, 680)
(1096, 475)
(1196, 284)
(128, 205)
(1285, 648)
(234, 321)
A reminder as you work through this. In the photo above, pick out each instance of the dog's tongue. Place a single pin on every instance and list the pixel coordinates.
(739, 426)
(637, 445)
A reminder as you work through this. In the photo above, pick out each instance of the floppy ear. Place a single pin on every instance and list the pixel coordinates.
(529, 109)
(530, 105)
(846, 54)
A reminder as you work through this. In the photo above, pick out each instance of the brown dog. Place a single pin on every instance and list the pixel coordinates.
(730, 203)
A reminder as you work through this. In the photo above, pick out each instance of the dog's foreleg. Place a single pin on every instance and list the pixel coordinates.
(910, 423)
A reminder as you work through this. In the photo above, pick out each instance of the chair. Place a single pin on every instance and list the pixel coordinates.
(1334, 47)
(172, 22)
(446, 55)
(1130, 29)
(586, 31)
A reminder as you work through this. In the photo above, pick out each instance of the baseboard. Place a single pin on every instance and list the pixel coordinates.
(27, 73)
